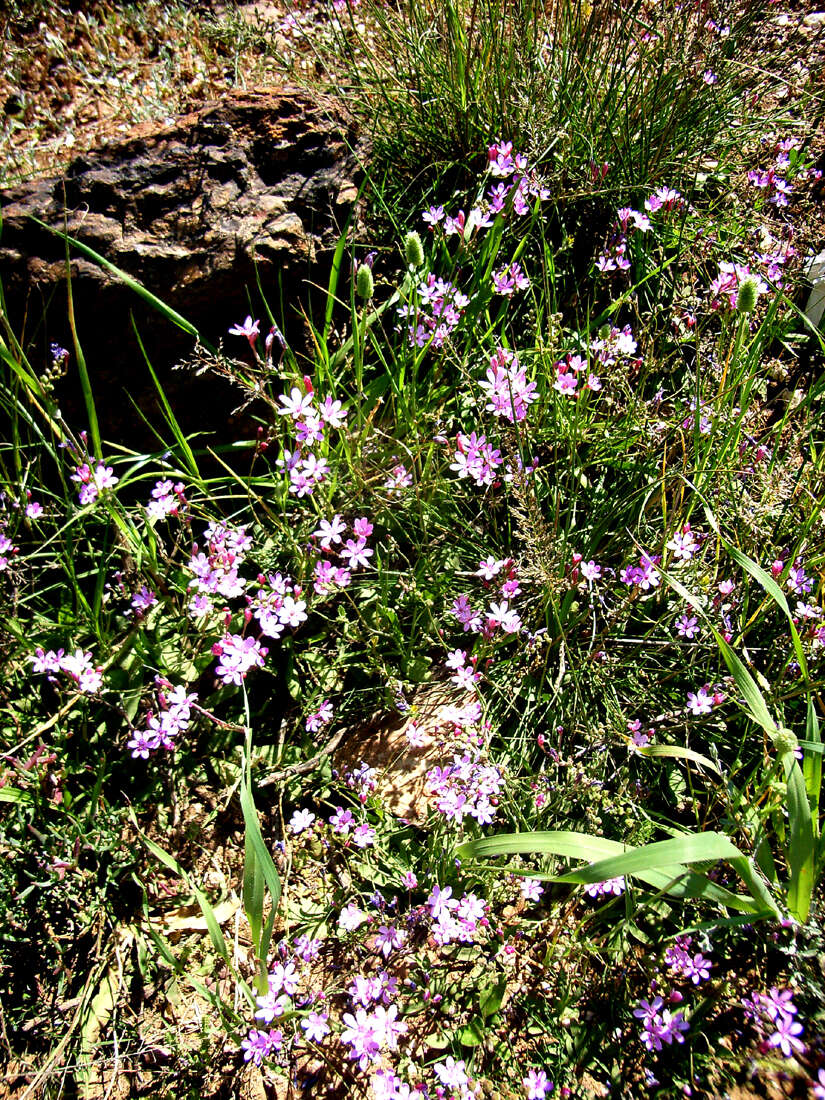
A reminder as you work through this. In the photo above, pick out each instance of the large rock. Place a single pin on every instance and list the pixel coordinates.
(188, 209)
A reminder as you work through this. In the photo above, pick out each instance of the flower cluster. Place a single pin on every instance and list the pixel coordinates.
(508, 392)
(215, 568)
(614, 256)
(7, 551)
(724, 289)
(694, 967)
(172, 718)
(436, 314)
(500, 615)
(516, 185)
(773, 1016)
(354, 552)
(645, 575)
(455, 919)
(167, 499)
(310, 422)
(568, 370)
(508, 279)
(236, 656)
(78, 666)
(612, 887)
(660, 1026)
(615, 345)
(277, 604)
(93, 479)
(476, 459)
(773, 181)
(467, 787)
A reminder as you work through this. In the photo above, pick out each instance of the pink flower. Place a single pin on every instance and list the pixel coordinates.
(700, 702)
(249, 329)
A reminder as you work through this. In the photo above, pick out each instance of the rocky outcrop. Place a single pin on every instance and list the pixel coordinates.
(262, 179)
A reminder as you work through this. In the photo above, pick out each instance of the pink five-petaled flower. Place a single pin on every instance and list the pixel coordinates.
(389, 938)
(590, 571)
(451, 1073)
(315, 1026)
(300, 821)
(364, 1034)
(237, 656)
(683, 544)
(92, 482)
(700, 702)
(531, 889)
(357, 553)
(687, 626)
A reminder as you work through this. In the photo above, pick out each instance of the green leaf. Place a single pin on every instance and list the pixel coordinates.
(660, 864)
(473, 1034)
(679, 752)
(801, 845)
(812, 764)
(259, 869)
(490, 999)
(127, 280)
(14, 794)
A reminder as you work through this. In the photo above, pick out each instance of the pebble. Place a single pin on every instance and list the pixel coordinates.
(815, 19)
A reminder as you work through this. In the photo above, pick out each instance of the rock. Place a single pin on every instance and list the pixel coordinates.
(814, 19)
(263, 177)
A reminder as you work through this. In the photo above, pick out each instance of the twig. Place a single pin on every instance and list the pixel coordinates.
(307, 765)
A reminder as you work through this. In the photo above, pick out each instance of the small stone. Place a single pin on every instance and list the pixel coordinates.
(815, 19)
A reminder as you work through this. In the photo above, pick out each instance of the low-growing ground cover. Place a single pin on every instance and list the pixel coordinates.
(459, 734)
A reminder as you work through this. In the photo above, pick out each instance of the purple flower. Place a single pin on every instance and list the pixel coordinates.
(537, 1084)
(260, 1044)
(388, 939)
(319, 718)
(531, 889)
(364, 1034)
(786, 1036)
(700, 702)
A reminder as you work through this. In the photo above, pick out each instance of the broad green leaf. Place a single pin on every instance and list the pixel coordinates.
(489, 1001)
(14, 794)
(659, 864)
(679, 752)
(801, 846)
(259, 849)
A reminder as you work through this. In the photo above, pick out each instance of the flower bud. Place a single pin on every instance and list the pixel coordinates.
(364, 283)
(413, 249)
(785, 741)
(748, 293)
